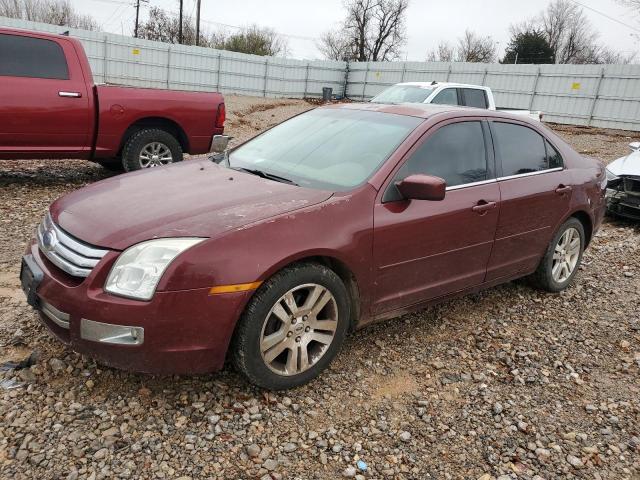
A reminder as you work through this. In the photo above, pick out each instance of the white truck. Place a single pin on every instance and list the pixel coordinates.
(445, 93)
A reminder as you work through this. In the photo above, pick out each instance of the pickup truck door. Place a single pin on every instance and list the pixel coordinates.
(45, 104)
(428, 249)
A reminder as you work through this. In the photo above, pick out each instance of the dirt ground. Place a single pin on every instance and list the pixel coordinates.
(511, 383)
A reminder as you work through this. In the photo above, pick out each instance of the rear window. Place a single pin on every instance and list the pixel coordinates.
(448, 96)
(474, 97)
(31, 57)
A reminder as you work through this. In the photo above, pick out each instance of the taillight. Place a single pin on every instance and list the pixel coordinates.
(221, 116)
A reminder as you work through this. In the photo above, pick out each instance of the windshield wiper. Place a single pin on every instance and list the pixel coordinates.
(268, 176)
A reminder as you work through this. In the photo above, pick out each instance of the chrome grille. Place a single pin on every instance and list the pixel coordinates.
(632, 185)
(64, 251)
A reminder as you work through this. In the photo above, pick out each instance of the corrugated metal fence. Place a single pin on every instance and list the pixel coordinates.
(603, 96)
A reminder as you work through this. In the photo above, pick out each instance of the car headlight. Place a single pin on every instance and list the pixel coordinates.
(611, 177)
(138, 270)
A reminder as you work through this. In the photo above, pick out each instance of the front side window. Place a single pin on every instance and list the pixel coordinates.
(474, 97)
(333, 149)
(455, 153)
(31, 57)
(521, 149)
(448, 96)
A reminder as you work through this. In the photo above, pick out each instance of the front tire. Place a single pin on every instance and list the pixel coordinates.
(292, 328)
(562, 258)
(150, 148)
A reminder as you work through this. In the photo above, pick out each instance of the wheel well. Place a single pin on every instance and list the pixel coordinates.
(585, 220)
(165, 124)
(347, 277)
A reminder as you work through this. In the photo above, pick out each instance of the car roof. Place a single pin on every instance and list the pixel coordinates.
(440, 84)
(428, 110)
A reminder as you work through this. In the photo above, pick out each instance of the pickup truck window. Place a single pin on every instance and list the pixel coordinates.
(455, 153)
(475, 97)
(521, 149)
(31, 57)
(448, 96)
(402, 94)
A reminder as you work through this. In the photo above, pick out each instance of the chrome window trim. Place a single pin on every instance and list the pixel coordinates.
(472, 184)
(531, 174)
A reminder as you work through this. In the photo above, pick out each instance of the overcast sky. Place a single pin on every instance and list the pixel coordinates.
(428, 21)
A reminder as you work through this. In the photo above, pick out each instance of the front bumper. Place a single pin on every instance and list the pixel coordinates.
(178, 332)
(623, 204)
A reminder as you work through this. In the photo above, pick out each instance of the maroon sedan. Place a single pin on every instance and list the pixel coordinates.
(331, 220)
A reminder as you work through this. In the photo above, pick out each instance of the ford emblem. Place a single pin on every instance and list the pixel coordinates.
(49, 240)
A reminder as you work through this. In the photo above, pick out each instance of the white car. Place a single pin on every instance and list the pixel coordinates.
(623, 184)
(446, 94)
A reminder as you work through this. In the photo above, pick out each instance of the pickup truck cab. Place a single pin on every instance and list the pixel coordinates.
(445, 93)
(50, 107)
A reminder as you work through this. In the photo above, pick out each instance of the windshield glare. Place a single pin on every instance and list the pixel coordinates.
(326, 148)
(403, 94)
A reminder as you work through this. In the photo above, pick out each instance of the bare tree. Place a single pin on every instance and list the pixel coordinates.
(474, 48)
(164, 27)
(55, 12)
(444, 53)
(373, 30)
(255, 40)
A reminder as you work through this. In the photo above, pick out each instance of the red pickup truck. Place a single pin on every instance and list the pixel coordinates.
(51, 108)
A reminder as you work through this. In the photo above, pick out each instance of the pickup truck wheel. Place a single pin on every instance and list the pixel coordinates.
(292, 328)
(150, 148)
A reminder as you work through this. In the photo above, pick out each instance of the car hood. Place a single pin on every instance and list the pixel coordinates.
(191, 199)
(629, 165)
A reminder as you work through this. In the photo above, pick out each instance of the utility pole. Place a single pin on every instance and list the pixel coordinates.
(135, 31)
(180, 26)
(516, 60)
(198, 23)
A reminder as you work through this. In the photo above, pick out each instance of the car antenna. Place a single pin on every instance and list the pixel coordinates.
(66, 34)
(434, 83)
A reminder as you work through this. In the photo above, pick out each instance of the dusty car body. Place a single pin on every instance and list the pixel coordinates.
(274, 266)
(623, 189)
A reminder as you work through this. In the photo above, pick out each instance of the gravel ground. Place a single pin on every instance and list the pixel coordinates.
(510, 383)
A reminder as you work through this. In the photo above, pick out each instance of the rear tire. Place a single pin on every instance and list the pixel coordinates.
(292, 328)
(150, 147)
(562, 259)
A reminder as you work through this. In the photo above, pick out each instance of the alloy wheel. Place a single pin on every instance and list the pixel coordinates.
(566, 255)
(155, 154)
(299, 329)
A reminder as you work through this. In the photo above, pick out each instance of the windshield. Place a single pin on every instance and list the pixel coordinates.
(403, 94)
(326, 148)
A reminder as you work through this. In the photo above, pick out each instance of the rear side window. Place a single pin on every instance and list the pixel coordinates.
(448, 96)
(474, 97)
(32, 57)
(521, 149)
(455, 152)
(553, 156)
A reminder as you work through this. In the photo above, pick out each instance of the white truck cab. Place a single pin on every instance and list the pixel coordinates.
(446, 93)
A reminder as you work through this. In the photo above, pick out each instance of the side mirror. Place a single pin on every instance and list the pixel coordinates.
(635, 146)
(219, 143)
(422, 187)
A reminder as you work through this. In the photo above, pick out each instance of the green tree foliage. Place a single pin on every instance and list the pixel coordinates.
(530, 46)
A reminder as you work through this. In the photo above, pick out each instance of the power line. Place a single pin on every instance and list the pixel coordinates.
(613, 19)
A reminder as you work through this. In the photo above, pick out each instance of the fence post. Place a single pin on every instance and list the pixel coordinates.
(404, 70)
(364, 85)
(105, 64)
(306, 81)
(448, 73)
(535, 89)
(266, 76)
(218, 72)
(168, 66)
(595, 99)
(346, 80)
(484, 76)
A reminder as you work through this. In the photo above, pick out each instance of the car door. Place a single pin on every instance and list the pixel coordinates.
(535, 191)
(427, 249)
(44, 103)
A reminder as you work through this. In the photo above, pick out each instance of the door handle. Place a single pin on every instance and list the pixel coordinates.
(483, 207)
(70, 94)
(562, 189)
